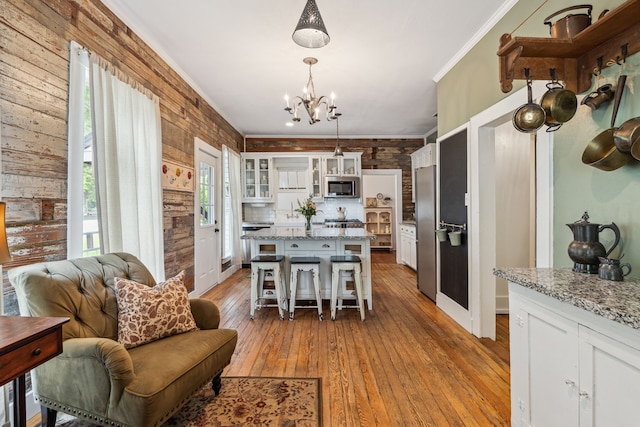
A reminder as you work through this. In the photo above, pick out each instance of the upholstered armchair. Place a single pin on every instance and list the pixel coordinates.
(100, 379)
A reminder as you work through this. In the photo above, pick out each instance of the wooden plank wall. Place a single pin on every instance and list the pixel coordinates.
(376, 154)
(34, 68)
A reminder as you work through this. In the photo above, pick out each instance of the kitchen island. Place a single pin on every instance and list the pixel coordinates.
(575, 347)
(323, 243)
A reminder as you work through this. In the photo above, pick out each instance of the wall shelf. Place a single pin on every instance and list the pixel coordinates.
(573, 59)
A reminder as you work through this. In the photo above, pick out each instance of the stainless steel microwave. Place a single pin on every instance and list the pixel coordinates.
(342, 186)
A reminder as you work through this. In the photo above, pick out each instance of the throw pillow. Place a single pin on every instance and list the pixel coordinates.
(148, 313)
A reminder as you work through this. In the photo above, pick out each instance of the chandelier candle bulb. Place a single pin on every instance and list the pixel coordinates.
(286, 98)
(311, 103)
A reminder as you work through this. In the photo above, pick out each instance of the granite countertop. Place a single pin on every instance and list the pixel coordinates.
(298, 233)
(617, 301)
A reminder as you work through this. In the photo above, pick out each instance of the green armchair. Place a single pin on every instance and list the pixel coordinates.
(98, 379)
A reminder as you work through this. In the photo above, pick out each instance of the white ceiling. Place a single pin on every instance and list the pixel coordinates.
(380, 63)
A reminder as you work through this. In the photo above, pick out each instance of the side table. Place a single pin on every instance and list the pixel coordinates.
(26, 342)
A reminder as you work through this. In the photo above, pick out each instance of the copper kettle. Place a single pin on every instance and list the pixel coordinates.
(585, 249)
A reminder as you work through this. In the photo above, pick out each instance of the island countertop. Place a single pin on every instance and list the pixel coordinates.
(298, 233)
(617, 301)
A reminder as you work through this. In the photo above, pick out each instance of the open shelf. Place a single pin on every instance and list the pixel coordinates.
(573, 59)
(378, 222)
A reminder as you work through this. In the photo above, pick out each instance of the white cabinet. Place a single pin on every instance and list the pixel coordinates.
(570, 367)
(408, 245)
(256, 178)
(421, 158)
(348, 165)
(315, 178)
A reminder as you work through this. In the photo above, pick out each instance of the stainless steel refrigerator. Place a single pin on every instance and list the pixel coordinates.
(425, 202)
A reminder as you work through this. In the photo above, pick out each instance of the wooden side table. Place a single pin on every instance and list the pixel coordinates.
(26, 342)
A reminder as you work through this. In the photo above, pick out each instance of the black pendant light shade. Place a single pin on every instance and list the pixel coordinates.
(310, 31)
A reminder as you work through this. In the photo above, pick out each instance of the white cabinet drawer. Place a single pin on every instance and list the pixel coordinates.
(408, 229)
(310, 246)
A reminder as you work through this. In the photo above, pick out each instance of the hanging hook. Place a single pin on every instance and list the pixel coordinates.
(624, 50)
(598, 70)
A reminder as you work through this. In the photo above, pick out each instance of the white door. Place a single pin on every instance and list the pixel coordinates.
(207, 217)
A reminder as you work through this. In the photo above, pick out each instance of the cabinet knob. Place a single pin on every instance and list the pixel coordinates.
(584, 395)
(325, 245)
(570, 383)
(37, 352)
(294, 245)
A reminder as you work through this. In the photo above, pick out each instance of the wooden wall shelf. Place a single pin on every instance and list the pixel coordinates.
(574, 59)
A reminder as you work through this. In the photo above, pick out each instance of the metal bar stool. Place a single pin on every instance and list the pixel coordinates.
(300, 264)
(262, 265)
(346, 263)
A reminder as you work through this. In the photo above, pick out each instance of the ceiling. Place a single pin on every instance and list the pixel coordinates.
(380, 63)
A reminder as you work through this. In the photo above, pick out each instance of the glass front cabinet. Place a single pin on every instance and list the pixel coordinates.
(315, 184)
(349, 165)
(256, 181)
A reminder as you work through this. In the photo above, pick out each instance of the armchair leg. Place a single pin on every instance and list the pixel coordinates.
(48, 416)
(216, 384)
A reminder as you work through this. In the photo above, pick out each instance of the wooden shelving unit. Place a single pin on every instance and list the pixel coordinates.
(378, 221)
(573, 59)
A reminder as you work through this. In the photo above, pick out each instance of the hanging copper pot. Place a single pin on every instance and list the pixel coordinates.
(601, 152)
(528, 117)
(559, 104)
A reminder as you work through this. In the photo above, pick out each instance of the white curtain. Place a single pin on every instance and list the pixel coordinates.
(78, 75)
(236, 206)
(127, 159)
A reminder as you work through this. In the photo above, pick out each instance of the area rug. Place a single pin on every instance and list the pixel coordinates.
(244, 401)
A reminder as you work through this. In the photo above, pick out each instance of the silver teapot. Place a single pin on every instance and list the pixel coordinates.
(585, 249)
(612, 269)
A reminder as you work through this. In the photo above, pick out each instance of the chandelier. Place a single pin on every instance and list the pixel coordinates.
(310, 102)
(310, 31)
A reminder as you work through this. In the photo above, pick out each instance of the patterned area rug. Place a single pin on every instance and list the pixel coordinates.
(244, 401)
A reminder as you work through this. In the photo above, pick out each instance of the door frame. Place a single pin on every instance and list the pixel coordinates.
(396, 175)
(457, 312)
(199, 147)
(482, 255)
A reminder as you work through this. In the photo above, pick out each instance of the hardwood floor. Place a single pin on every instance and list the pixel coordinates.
(407, 364)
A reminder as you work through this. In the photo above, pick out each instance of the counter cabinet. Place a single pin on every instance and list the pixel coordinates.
(570, 367)
(324, 249)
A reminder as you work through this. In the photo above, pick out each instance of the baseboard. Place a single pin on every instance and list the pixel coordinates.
(454, 310)
(229, 272)
(502, 304)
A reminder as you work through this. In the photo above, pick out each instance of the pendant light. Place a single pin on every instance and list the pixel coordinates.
(338, 151)
(310, 31)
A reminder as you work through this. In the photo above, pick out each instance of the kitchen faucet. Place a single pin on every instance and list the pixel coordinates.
(292, 215)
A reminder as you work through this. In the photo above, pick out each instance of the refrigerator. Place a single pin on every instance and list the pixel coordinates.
(425, 204)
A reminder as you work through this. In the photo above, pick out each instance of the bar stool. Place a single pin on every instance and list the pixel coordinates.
(301, 264)
(351, 263)
(262, 265)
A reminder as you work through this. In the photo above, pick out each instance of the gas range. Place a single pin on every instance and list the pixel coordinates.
(343, 223)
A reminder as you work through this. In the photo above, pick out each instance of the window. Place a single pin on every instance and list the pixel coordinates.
(115, 146)
(227, 222)
(82, 240)
(207, 199)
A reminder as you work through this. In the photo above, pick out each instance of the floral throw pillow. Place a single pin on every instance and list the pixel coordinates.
(146, 314)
